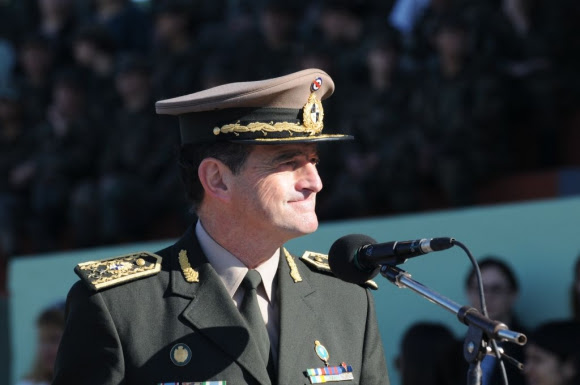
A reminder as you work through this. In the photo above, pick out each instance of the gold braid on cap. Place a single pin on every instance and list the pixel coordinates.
(312, 122)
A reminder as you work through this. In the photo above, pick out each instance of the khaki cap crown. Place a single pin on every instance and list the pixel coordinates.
(279, 110)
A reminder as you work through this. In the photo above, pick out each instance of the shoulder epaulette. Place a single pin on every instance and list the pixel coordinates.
(320, 262)
(114, 271)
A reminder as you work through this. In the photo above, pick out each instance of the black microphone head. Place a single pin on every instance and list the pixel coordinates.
(441, 243)
(341, 258)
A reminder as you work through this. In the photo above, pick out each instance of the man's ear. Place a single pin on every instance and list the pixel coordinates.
(214, 176)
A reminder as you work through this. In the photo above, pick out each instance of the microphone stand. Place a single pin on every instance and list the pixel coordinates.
(481, 330)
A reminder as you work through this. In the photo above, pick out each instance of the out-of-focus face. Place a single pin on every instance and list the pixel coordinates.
(275, 191)
(9, 109)
(169, 25)
(48, 340)
(84, 53)
(499, 295)
(543, 367)
(276, 24)
(451, 42)
(331, 23)
(381, 60)
(36, 61)
(68, 100)
(132, 85)
(54, 7)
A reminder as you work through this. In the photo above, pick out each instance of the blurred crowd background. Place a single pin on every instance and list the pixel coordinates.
(445, 97)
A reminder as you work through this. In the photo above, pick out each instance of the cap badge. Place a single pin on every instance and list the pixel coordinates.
(312, 115)
(316, 84)
(180, 354)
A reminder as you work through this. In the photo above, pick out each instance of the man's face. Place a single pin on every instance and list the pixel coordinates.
(543, 367)
(499, 296)
(275, 191)
(48, 340)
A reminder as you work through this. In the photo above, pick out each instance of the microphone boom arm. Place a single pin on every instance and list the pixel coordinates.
(467, 315)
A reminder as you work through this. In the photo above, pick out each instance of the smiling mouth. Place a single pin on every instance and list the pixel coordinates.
(310, 203)
(309, 198)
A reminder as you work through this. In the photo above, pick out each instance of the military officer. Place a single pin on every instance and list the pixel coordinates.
(227, 303)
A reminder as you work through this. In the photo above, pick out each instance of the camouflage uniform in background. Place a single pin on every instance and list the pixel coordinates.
(63, 158)
(176, 57)
(137, 174)
(461, 124)
(380, 166)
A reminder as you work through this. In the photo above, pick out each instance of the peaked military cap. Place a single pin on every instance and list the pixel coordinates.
(286, 109)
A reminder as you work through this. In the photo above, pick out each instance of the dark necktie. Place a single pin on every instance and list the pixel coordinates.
(252, 314)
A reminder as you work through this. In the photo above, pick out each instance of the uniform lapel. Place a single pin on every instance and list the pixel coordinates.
(211, 310)
(297, 314)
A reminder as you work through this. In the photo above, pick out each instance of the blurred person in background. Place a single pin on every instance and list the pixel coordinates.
(277, 38)
(430, 355)
(342, 25)
(268, 32)
(128, 24)
(458, 110)
(404, 15)
(176, 66)
(526, 40)
(384, 122)
(135, 165)
(553, 354)
(63, 154)
(57, 23)
(15, 142)
(420, 35)
(95, 54)
(49, 327)
(34, 75)
(378, 116)
(501, 290)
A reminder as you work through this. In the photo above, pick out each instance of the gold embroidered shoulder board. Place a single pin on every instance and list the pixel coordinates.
(320, 262)
(125, 268)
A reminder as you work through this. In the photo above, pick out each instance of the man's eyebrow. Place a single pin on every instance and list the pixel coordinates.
(287, 155)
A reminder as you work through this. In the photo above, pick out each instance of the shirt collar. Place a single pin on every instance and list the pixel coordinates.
(230, 269)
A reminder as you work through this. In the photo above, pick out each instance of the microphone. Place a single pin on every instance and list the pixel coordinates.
(357, 258)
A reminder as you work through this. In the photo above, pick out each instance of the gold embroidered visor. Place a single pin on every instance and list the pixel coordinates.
(286, 109)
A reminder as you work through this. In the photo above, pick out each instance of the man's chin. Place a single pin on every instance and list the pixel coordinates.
(304, 228)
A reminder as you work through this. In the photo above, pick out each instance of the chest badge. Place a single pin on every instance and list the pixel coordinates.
(180, 354)
(321, 352)
(343, 372)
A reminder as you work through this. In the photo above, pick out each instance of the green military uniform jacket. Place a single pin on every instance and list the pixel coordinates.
(125, 334)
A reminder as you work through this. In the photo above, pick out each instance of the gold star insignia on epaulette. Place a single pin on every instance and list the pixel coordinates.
(320, 262)
(110, 272)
